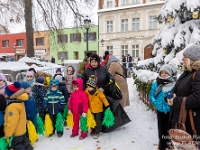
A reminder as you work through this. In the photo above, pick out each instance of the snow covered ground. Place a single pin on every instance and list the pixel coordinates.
(139, 134)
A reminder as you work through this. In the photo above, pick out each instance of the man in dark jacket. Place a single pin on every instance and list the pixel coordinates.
(124, 60)
(52, 59)
(130, 63)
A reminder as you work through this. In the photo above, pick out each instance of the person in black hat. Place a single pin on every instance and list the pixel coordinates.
(94, 68)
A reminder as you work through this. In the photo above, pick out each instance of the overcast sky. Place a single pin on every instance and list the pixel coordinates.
(20, 27)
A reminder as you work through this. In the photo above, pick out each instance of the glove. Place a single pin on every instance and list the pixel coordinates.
(69, 112)
(84, 114)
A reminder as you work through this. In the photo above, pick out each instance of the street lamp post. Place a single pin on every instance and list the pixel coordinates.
(87, 23)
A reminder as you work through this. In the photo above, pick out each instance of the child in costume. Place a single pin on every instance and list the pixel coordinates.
(163, 86)
(3, 84)
(78, 105)
(97, 101)
(31, 110)
(15, 118)
(39, 93)
(69, 78)
(54, 102)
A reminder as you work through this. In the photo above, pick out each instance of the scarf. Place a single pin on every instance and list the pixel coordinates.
(164, 81)
(165, 84)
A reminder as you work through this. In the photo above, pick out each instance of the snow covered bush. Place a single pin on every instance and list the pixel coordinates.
(181, 29)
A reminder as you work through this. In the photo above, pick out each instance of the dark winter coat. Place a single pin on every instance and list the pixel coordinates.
(54, 102)
(102, 75)
(62, 88)
(31, 109)
(187, 87)
(130, 64)
(39, 94)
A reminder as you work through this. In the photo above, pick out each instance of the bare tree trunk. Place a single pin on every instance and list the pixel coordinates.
(29, 28)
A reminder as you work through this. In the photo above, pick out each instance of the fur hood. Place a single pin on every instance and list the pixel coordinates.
(20, 95)
(196, 65)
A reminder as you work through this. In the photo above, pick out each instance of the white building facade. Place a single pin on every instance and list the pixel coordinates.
(128, 26)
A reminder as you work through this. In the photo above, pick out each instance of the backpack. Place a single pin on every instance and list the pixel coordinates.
(126, 72)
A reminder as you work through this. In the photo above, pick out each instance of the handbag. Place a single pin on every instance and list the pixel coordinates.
(179, 137)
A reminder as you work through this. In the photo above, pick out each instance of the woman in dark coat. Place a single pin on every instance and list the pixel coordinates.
(94, 68)
(188, 87)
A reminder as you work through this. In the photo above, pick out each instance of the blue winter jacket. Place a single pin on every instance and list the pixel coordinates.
(54, 101)
(1, 118)
(159, 101)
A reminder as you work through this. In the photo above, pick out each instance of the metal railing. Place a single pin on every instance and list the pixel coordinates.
(9, 77)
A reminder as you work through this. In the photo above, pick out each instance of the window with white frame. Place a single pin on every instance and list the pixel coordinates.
(136, 24)
(135, 1)
(135, 50)
(20, 42)
(152, 22)
(109, 26)
(110, 49)
(124, 25)
(5, 43)
(124, 49)
(124, 2)
(109, 3)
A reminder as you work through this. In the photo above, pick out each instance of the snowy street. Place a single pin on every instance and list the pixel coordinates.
(139, 134)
